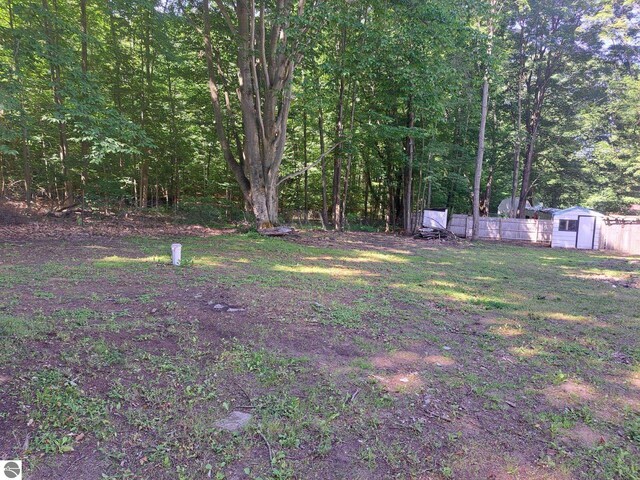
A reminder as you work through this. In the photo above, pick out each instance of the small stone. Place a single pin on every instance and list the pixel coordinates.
(219, 306)
(446, 348)
(235, 310)
(234, 422)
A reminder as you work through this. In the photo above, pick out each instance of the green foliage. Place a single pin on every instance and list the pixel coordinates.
(140, 113)
(61, 410)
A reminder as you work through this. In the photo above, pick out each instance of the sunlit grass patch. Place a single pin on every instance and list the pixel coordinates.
(116, 261)
(333, 271)
(375, 257)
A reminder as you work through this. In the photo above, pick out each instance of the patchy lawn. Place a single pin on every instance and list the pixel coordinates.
(359, 356)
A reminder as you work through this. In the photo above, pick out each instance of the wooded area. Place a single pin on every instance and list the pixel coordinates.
(358, 112)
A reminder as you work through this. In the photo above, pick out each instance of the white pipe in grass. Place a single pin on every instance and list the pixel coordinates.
(176, 254)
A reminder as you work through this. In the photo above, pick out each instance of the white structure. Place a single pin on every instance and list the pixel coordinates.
(434, 218)
(176, 253)
(577, 227)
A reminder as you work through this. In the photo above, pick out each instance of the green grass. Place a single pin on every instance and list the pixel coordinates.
(355, 361)
(61, 412)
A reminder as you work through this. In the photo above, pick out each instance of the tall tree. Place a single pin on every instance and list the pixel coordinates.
(483, 125)
(550, 35)
(267, 55)
(54, 57)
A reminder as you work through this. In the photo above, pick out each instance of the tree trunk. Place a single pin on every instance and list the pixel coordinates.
(3, 179)
(366, 180)
(345, 192)
(429, 176)
(547, 58)
(390, 223)
(479, 158)
(84, 146)
(264, 92)
(532, 129)
(513, 211)
(306, 162)
(526, 174)
(24, 134)
(175, 167)
(408, 171)
(481, 136)
(55, 75)
(419, 201)
(324, 217)
(144, 111)
(485, 203)
(337, 159)
(214, 94)
(115, 49)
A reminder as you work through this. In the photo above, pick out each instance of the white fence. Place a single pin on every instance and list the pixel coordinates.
(621, 236)
(514, 229)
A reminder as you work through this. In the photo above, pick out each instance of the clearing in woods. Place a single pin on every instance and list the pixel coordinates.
(358, 356)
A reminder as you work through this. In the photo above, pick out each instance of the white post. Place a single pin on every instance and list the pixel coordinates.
(176, 254)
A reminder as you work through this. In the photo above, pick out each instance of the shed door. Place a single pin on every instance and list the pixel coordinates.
(586, 232)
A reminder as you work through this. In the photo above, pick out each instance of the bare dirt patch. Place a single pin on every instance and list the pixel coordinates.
(570, 393)
(367, 241)
(584, 436)
(17, 225)
(11, 214)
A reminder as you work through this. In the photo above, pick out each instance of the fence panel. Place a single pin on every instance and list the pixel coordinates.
(622, 237)
(458, 225)
(523, 230)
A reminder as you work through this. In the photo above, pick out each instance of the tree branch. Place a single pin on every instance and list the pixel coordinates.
(254, 74)
(311, 165)
(227, 17)
(188, 18)
(214, 93)
(263, 46)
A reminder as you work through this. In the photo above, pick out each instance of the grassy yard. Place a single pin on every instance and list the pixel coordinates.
(359, 356)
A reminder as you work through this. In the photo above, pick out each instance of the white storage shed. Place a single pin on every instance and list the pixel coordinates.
(577, 227)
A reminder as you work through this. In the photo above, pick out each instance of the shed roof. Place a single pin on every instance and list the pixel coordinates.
(578, 209)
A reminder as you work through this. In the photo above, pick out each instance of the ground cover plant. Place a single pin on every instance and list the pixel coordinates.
(357, 355)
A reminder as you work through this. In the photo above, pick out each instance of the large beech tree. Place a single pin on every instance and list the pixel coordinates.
(266, 61)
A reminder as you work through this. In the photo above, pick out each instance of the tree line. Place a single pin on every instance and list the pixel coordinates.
(357, 112)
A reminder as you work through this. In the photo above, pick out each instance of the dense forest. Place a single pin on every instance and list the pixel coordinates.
(348, 113)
